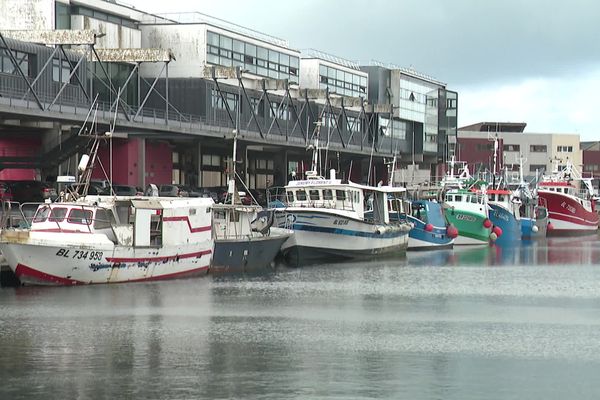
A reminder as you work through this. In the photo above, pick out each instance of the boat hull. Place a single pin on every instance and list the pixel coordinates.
(419, 238)
(469, 224)
(567, 216)
(246, 255)
(321, 236)
(47, 263)
(505, 220)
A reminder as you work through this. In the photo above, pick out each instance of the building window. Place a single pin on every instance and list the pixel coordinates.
(218, 103)
(211, 160)
(61, 70)
(512, 147)
(102, 16)
(564, 149)
(226, 51)
(342, 82)
(24, 60)
(591, 167)
(485, 147)
(537, 167)
(538, 148)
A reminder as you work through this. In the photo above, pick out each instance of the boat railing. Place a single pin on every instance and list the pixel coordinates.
(16, 215)
(42, 213)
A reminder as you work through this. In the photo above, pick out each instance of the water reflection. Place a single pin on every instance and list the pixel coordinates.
(489, 321)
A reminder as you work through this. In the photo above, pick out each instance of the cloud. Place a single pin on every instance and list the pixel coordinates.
(534, 61)
(548, 105)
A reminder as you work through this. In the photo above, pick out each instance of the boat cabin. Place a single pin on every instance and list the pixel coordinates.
(140, 222)
(462, 196)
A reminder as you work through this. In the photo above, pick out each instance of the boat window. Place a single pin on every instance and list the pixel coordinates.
(340, 195)
(57, 214)
(314, 194)
(457, 198)
(500, 197)
(301, 195)
(41, 214)
(290, 196)
(473, 199)
(327, 194)
(356, 196)
(104, 219)
(80, 216)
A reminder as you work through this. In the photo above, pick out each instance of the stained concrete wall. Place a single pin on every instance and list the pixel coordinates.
(117, 36)
(27, 14)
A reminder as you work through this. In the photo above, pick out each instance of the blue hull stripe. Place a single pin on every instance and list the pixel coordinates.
(348, 232)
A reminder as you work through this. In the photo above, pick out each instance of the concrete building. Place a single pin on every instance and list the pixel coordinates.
(175, 87)
(540, 151)
(422, 115)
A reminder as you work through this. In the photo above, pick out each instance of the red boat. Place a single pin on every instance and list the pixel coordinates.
(571, 206)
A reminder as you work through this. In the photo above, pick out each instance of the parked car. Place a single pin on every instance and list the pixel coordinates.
(191, 191)
(207, 192)
(172, 191)
(31, 191)
(125, 190)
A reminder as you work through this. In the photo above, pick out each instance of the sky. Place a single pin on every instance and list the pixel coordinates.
(533, 61)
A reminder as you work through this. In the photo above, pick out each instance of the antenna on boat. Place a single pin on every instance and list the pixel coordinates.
(391, 170)
(314, 172)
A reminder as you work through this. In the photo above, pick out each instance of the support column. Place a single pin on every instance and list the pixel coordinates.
(142, 161)
(199, 166)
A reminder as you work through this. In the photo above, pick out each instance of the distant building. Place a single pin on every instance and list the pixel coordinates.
(538, 150)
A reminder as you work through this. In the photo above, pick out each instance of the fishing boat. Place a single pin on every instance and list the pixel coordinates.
(465, 206)
(430, 229)
(333, 220)
(110, 239)
(569, 198)
(504, 205)
(532, 210)
(245, 238)
(505, 215)
(244, 235)
(90, 239)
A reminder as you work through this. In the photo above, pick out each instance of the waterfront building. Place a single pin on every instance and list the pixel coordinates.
(418, 110)
(539, 150)
(175, 87)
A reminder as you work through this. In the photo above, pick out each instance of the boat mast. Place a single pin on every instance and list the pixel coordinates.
(315, 157)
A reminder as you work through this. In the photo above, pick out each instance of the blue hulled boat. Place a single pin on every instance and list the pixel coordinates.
(430, 230)
(504, 215)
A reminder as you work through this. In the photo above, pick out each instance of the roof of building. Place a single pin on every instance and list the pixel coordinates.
(590, 146)
(495, 127)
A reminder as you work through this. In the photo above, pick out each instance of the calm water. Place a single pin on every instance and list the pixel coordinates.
(468, 323)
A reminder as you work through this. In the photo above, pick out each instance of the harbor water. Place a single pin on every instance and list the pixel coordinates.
(469, 323)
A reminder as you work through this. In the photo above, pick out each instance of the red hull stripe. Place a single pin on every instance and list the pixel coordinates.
(186, 219)
(164, 258)
(573, 220)
(25, 271)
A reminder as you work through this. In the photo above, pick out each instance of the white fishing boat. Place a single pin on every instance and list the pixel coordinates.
(104, 239)
(84, 239)
(333, 220)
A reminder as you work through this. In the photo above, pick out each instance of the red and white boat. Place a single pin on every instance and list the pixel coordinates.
(569, 198)
(109, 239)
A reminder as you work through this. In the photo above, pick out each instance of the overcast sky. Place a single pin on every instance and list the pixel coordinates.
(533, 61)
